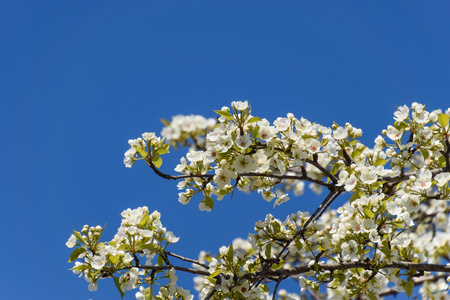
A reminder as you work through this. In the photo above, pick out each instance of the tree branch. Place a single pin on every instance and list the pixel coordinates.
(168, 267)
(360, 264)
(187, 259)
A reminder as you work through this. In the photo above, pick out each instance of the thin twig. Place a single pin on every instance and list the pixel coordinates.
(360, 264)
(187, 259)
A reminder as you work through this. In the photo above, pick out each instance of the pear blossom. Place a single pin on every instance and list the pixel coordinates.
(312, 145)
(281, 199)
(98, 262)
(243, 164)
(195, 156)
(401, 113)
(340, 133)
(243, 141)
(393, 133)
(71, 242)
(396, 212)
(442, 178)
(423, 181)
(282, 124)
(240, 105)
(368, 175)
(129, 280)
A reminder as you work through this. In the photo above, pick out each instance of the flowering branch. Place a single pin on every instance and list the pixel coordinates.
(394, 230)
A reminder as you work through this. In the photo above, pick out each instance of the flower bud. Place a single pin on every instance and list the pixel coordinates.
(348, 126)
(85, 229)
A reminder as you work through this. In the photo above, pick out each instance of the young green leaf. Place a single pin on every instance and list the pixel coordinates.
(409, 285)
(209, 202)
(165, 122)
(368, 213)
(224, 114)
(230, 253)
(79, 237)
(443, 120)
(253, 120)
(76, 253)
(157, 161)
(117, 282)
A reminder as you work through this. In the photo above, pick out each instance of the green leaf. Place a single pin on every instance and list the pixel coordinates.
(157, 161)
(278, 265)
(79, 237)
(161, 151)
(160, 260)
(334, 169)
(443, 120)
(263, 288)
(215, 273)
(209, 202)
(224, 114)
(114, 259)
(372, 296)
(268, 251)
(398, 224)
(80, 268)
(400, 125)
(253, 120)
(357, 152)
(123, 247)
(341, 277)
(230, 253)
(76, 253)
(316, 267)
(356, 195)
(276, 227)
(409, 287)
(425, 153)
(368, 213)
(117, 282)
(381, 162)
(148, 294)
(144, 221)
(441, 161)
(255, 132)
(141, 151)
(390, 198)
(385, 249)
(165, 122)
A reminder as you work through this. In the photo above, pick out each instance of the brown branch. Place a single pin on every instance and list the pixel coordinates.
(322, 169)
(319, 211)
(417, 281)
(406, 176)
(186, 259)
(250, 174)
(360, 264)
(447, 155)
(293, 177)
(276, 288)
(174, 177)
(168, 267)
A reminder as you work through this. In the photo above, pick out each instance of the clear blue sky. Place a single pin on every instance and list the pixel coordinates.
(80, 78)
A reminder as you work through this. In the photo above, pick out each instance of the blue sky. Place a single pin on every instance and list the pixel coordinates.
(80, 78)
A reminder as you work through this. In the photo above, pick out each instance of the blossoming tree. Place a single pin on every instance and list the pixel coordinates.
(393, 233)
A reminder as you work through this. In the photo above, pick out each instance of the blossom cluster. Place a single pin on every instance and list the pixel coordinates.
(243, 150)
(140, 238)
(188, 130)
(395, 222)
